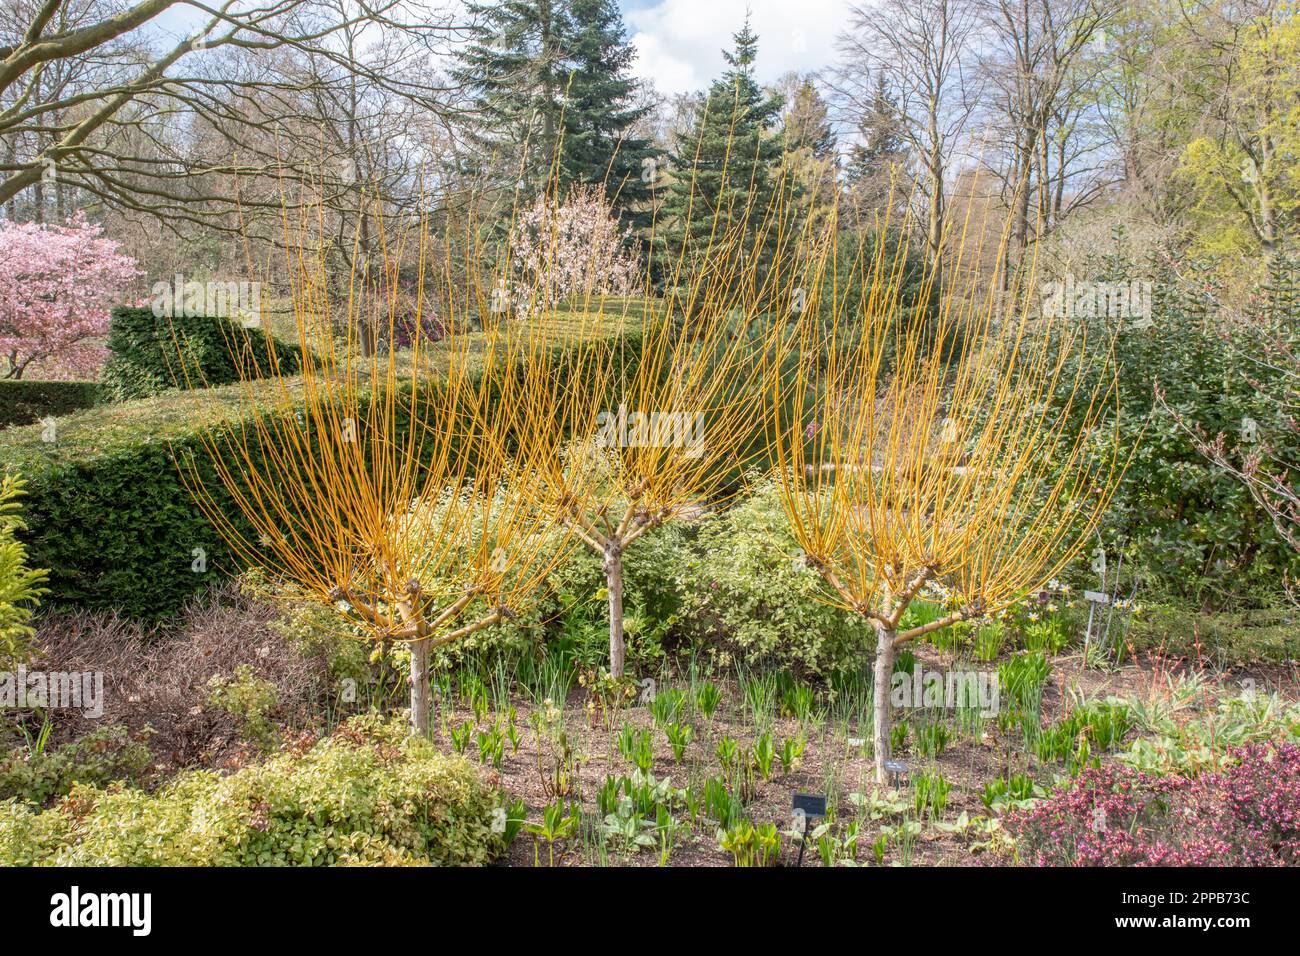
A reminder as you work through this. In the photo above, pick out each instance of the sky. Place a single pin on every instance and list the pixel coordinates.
(679, 42)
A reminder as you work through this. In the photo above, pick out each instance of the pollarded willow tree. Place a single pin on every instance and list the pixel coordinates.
(402, 487)
(929, 454)
(685, 413)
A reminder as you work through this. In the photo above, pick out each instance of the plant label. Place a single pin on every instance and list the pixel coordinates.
(809, 804)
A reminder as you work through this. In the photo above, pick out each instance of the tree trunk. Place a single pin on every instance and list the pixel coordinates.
(883, 683)
(11, 160)
(614, 585)
(421, 698)
(934, 225)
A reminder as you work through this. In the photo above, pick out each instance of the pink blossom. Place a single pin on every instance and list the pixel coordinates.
(57, 284)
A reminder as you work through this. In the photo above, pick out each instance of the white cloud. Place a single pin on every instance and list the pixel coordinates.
(680, 42)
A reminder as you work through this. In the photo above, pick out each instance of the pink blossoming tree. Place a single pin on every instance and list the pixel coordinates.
(56, 286)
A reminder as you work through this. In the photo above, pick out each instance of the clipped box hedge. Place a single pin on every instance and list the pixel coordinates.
(149, 354)
(24, 401)
(107, 509)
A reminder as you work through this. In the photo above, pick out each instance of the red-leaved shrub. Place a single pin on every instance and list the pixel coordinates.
(1247, 814)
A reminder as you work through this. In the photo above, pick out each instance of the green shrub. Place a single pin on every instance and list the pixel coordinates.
(730, 586)
(107, 509)
(915, 294)
(107, 755)
(579, 612)
(20, 586)
(360, 674)
(149, 355)
(370, 794)
(1227, 639)
(572, 616)
(249, 699)
(23, 401)
(1180, 525)
(318, 630)
(747, 596)
(28, 838)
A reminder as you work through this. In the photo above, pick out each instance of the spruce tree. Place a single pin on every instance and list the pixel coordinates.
(879, 150)
(599, 146)
(809, 142)
(550, 83)
(514, 67)
(725, 170)
(807, 123)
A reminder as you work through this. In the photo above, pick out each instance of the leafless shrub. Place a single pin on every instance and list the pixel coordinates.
(160, 678)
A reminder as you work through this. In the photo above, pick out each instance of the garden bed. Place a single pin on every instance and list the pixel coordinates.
(243, 685)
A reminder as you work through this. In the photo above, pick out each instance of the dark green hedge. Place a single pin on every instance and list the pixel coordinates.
(107, 510)
(23, 402)
(149, 354)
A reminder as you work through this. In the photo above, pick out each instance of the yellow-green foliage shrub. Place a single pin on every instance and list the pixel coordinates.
(247, 698)
(749, 597)
(106, 755)
(369, 794)
(20, 586)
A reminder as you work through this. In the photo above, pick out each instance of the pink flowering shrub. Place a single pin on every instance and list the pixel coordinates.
(57, 284)
(1247, 814)
(573, 248)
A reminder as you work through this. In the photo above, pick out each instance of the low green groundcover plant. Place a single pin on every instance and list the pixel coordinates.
(36, 775)
(368, 794)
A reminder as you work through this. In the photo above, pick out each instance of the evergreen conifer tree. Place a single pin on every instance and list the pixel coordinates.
(726, 170)
(599, 145)
(554, 101)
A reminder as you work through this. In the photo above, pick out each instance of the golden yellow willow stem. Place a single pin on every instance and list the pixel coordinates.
(406, 487)
(952, 450)
(677, 432)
